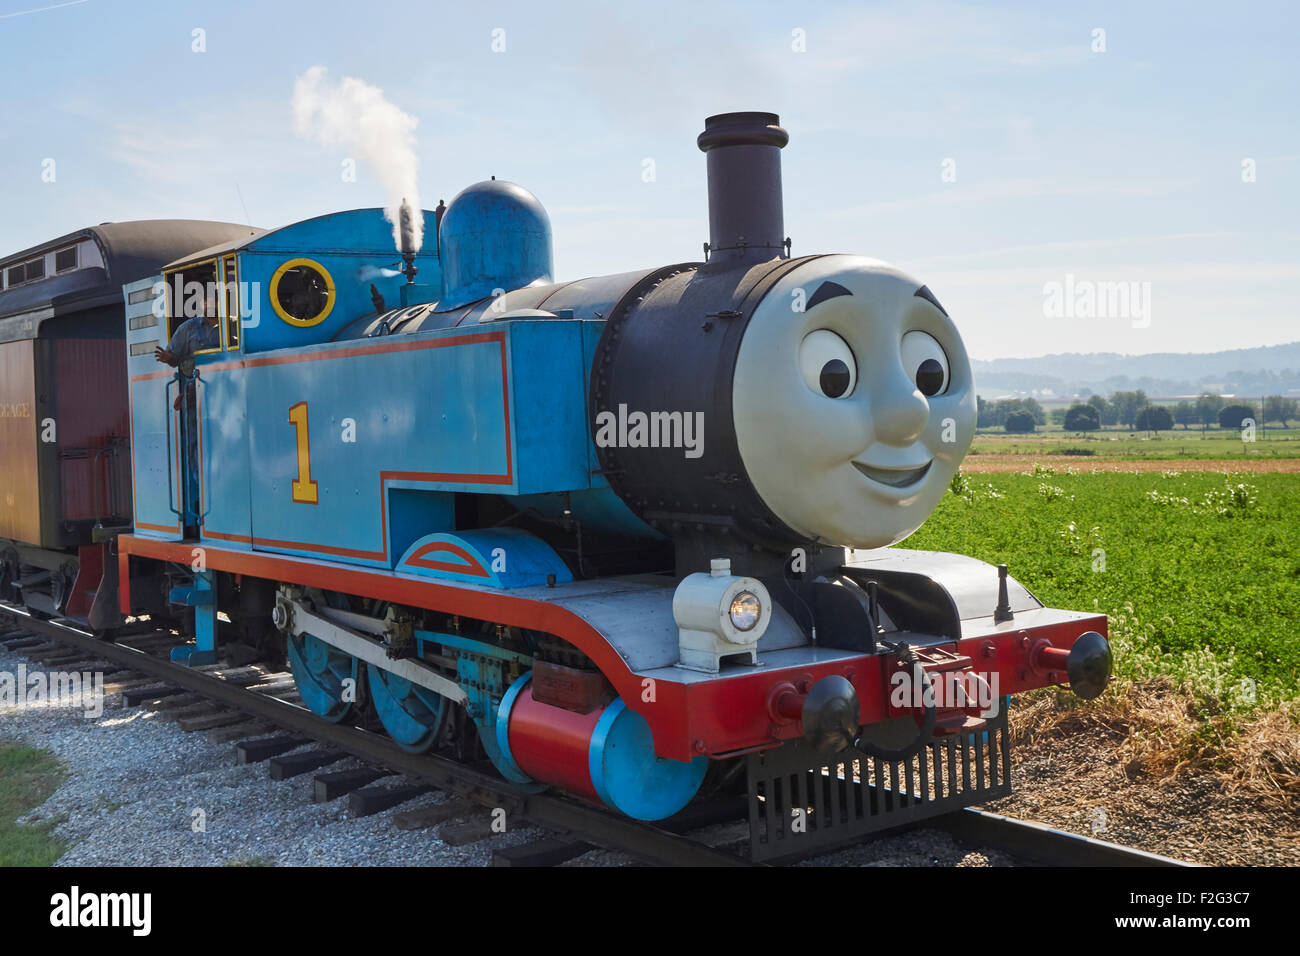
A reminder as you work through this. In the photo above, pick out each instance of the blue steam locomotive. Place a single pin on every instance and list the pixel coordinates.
(627, 536)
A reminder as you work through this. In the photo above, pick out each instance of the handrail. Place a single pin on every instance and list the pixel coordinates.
(204, 453)
(167, 427)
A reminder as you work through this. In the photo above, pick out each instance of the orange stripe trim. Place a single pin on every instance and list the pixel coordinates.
(470, 567)
(221, 535)
(340, 353)
(158, 527)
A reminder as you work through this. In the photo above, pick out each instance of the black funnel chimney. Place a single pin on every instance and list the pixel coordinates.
(746, 222)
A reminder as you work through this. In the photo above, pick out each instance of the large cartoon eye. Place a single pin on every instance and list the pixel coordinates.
(827, 364)
(926, 362)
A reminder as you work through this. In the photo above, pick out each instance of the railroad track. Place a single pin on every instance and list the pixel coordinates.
(257, 711)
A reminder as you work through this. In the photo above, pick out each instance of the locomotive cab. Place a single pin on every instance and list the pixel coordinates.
(65, 467)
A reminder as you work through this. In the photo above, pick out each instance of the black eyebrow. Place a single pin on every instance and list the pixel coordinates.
(827, 290)
(925, 293)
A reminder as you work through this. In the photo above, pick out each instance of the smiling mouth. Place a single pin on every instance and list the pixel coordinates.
(894, 477)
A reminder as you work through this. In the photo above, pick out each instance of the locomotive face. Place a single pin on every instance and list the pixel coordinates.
(853, 414)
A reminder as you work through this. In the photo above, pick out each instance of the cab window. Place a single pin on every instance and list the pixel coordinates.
(230, 301)
(192, 291)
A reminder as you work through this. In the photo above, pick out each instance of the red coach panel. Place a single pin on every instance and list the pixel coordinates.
(91, 410)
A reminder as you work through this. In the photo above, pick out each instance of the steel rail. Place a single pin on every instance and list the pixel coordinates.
(1042, 844)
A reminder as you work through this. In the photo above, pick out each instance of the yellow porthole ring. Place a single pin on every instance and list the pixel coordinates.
(329, 293)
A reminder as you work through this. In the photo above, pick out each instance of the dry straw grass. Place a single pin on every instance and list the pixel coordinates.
(1162, 732)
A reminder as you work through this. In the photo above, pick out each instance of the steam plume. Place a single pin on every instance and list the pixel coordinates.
(354, 114)
(370, 273)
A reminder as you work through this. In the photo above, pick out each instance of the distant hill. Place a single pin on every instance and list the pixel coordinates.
(1269, 370)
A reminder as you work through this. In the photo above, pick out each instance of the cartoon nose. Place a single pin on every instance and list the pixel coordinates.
(900, 411)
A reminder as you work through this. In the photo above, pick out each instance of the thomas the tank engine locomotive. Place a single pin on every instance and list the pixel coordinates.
(630, 536)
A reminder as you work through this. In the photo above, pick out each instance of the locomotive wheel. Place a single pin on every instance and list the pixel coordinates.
(412, 715)
(320, 672)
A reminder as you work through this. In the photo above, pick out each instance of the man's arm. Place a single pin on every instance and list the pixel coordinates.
(177, 348)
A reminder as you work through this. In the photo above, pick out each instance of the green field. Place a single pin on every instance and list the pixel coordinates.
(1121, 443)
(1201, 571)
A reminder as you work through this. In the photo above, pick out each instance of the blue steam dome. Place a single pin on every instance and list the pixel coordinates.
(494, 235)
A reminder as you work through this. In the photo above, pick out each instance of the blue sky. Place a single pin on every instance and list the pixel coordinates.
(1123, 165)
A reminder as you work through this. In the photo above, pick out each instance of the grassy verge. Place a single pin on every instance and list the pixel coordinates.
(1163, 729)
(27, 778)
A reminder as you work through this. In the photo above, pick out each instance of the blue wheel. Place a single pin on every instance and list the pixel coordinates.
(412, 715)
(325, 676)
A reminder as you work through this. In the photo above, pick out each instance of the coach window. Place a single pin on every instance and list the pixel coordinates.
(25, 272)
(230, 299)
(188, 289)
(302, 292)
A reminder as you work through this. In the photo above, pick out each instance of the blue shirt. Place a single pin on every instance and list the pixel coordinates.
(194, 335)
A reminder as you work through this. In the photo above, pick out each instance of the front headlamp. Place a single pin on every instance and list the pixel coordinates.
(746, 610)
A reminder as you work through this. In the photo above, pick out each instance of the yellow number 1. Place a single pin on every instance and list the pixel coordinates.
(304, 489)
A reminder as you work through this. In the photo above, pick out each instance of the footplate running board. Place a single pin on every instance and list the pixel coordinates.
(799, 805)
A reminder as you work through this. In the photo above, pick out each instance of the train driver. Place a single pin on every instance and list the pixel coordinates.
(194, 335)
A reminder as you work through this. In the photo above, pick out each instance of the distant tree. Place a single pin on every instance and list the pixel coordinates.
(1123, 406)
(1106, 412)
(1083, 418)
(1280, 409)
(983, 413)
(1232, 415)
(1020, 422)
(1208, 407)
(1056, 416)
(1154, 418)
(1007, 406)
(1033, 408)
(1185, 414)
(1128, 404)
(995, 414)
